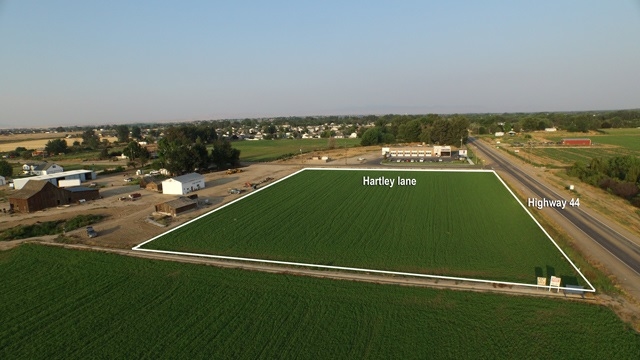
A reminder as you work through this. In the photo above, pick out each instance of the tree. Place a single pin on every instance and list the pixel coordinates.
(200, 155)
(136, 153)
(175, 156)
(57, 146)
(90, 139)
(136, 132)
(371, 137)
(122, 132)
(104, 154)
(223, 154)
(5, 168)
(412, 131)
(529, 124)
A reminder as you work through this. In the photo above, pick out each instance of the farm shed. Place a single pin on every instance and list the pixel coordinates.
(37, 195)
(177, 207)
(151, 183)
(77, 193)
(576, 142)
(83, 175)
(184, 184)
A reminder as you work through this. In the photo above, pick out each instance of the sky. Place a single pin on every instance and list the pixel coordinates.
(68, 63)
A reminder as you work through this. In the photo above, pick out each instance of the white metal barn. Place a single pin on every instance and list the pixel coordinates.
(184, 184)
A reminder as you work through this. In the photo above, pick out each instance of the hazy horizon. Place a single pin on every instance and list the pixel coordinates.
(89, 63)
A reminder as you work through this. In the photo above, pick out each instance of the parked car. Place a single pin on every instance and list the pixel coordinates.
(128, 179)
(91, 232)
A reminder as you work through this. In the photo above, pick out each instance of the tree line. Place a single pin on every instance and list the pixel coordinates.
(183, 149)
(619, 175)
(430, 129)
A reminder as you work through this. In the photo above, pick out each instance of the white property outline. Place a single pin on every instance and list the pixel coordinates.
(374, 271)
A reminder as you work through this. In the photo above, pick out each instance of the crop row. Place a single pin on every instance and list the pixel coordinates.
(60, 303)
(449, 223)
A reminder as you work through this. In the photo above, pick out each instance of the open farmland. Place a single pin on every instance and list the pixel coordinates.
(269, 150)
(570, 155)
(463, 224)
(615, 142)
(59, 303)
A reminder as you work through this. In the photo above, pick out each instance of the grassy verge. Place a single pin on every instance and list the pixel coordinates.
(48, 227)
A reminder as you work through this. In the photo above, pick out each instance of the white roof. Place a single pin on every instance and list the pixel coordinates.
(188, 177)
(59, 175)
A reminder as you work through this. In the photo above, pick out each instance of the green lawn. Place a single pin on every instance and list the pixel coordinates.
(451, 223)
(269, 150)
(59, 303)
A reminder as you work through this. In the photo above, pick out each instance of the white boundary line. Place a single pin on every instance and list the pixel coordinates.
(386, 272)
(549, 236)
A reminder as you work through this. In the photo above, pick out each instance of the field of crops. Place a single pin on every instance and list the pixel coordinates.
(268, 150)
(59, 303)
(450, 223)
(570, 155)
(624, 141)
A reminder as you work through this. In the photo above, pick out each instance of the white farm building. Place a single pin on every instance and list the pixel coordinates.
(82, 175)
(184, 184)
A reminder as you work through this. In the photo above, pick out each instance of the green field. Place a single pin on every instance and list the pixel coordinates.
(624, 141)
(59, 303)
(451, 223)
(269, 150)
(571, 155)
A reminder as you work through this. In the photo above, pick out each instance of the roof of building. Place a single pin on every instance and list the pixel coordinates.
(187, 177)
(46, 166)
(59, 175)
(80, 188)
(29, 189)
(151, 179)
(180, 202)
(576, 139)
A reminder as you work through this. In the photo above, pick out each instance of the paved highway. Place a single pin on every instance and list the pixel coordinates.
(621, 247)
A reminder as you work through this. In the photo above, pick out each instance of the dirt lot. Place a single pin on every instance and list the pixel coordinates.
(126, 223)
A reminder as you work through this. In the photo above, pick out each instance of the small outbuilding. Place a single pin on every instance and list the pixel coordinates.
(151, 183)
(177, 206)
(184, 184)
(577, 142)
(3, 181)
